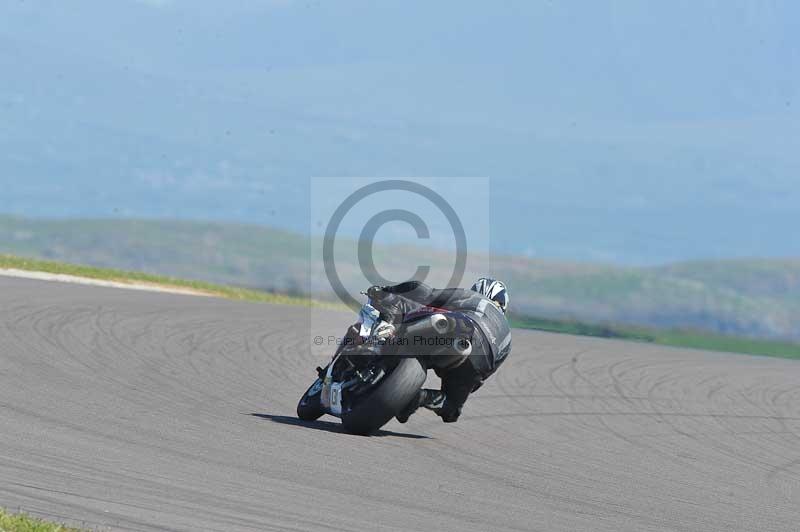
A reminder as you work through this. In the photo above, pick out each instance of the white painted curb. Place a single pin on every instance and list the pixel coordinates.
(133, 285)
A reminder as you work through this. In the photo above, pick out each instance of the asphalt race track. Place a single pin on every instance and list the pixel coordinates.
(143, 411)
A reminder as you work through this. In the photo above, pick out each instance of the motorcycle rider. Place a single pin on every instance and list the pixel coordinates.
(483, 307)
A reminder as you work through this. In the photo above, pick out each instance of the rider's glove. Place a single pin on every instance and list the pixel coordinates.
(384, 331)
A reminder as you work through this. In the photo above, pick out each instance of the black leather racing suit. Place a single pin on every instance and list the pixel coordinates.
(491, 337)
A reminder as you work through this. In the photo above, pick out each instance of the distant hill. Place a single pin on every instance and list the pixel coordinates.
(752, 297)
(679, 146)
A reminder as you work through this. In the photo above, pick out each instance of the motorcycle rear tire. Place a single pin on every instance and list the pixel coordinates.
(391, 395)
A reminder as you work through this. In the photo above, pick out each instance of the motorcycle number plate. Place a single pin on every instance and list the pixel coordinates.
(336, 398)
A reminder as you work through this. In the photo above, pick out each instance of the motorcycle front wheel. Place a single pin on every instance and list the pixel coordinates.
(310, 408)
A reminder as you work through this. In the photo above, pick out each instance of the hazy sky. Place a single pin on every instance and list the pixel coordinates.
(634, 132)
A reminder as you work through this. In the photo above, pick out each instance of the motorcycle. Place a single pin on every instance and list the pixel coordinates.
(380, 366)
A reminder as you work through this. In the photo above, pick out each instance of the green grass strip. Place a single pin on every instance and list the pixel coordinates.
(25, 523)
(121, 276)
(708, 341)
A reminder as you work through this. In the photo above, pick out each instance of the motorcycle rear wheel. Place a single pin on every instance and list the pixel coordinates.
(390, 396)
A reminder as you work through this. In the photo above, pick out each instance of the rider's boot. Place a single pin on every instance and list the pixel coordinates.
(434, 399)
(430, 399)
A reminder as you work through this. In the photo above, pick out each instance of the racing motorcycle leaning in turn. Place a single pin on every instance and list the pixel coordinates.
(379, 366)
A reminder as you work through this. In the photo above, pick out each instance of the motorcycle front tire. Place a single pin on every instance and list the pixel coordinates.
(310, 408)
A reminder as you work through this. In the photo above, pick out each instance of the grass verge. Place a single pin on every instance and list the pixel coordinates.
(25, 523)
(121, 276)
(672, 337)
(677, 338)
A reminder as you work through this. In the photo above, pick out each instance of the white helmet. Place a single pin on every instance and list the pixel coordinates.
(494, 290)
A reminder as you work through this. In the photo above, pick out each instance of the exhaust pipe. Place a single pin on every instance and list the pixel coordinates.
(441, 324)
(456, 355)
(434, 324)
(462, 347)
